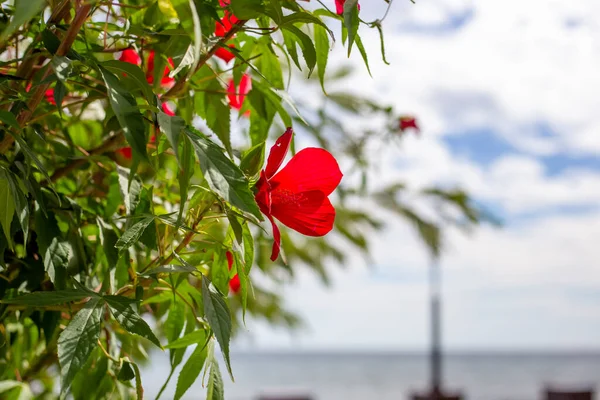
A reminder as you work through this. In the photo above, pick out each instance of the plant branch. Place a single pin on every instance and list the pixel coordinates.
(80, 17)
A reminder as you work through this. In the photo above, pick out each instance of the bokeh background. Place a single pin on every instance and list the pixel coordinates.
(507, 97)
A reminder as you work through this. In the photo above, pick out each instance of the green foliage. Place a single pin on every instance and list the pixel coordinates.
(123, 226)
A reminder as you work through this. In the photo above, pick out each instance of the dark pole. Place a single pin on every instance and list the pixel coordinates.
(436, 345)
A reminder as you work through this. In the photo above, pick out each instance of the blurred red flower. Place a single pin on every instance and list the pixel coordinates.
(225, 54)
(166, 80)
(223, 26)
(237, 95)
(408, 122)
(339, 6)
(234, 283)
(131, 56)
(297, 194)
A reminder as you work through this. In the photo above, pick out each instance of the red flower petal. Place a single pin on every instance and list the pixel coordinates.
(125, 152)
(229, 257)
(278, 152)
(165, 80)
(224, 3)
(236, 97)
(131, 56)
(310, 213)
(407, 122)
(276, 239)
(222, 27)
(310, 169)
(225, 54)
(234, 284)
(339, 6)
(49, 94)
(167, 110)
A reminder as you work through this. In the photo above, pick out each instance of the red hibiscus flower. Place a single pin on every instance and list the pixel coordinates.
(408, 122)
(167, 110)
(297, 194)
(131, 56)
(234, 283)
(224, 26)
(166, 80)
(225, 54)
(339, 6)
(49, 95)
(224, 3)
(237, 95)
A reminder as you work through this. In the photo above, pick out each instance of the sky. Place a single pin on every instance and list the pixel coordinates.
(507, 95)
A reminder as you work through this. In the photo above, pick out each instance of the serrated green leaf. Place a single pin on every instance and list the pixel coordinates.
(247, 9)
(130, 191)
(122, 309)
(307, 46)
(56, 260)
(194, 337)
(60, 90)
(135, 73)
(214, 389)
(172, 127)
(127, 112)
(351, 21)
(322, 53)
(363, 53)
(223, 176)
(219, 318)
(191, 370)
(20, 202)
(253, 159)
(48, 298)
(133, 234)
(188, 163)
(79, 339)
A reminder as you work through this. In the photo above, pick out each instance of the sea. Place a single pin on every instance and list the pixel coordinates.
(391, 375)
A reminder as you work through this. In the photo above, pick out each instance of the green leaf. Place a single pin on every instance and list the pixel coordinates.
(31, 155)
(24, 11)
(363, 53)
(48, 298)
(127, 112)
(172, 128)
(135, 73)
(307, 46)
(351, 21)
(20, 201)
(219, 273)
(126, 372)
(62, 67)
(253, 159)
(248, 247)
(129, 190)
(133, 234)
(191, 370)
(219, 318)
(60, 90)
(194, 337)
(9, 119)
(188, 164)
(169, 269)
(108, 239)
(322, 53)
(247, 9)
(56, 260)
(7, 206)
(218, 118)
(214, 390)
(79, 339)
(122, 309)
(223, 176)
